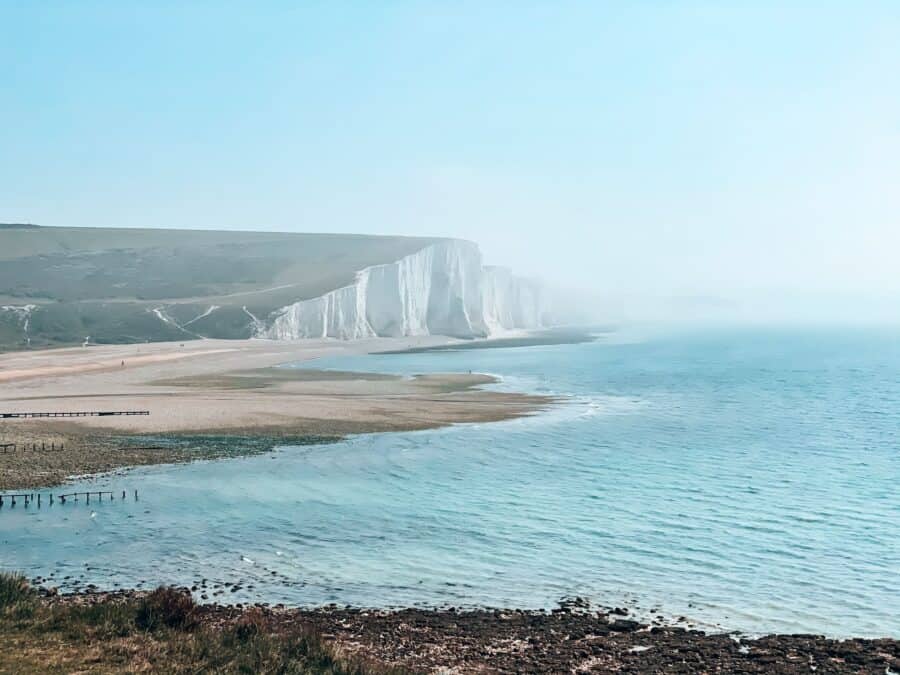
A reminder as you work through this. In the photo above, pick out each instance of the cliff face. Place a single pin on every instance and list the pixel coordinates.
(59, 285)
(440, 290)
(511, 302)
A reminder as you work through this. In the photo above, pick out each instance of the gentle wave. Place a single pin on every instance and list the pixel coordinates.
(756, 494)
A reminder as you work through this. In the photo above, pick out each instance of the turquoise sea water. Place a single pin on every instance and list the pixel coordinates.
(742, 478)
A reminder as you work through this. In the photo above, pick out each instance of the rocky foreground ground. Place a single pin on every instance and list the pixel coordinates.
(574, 638)
(570, 640)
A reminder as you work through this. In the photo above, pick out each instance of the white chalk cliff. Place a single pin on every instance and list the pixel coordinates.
(511, 302)
(441, 290)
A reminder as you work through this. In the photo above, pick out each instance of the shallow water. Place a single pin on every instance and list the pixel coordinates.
(746, 479)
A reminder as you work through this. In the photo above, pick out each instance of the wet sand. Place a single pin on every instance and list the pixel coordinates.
(223, 388)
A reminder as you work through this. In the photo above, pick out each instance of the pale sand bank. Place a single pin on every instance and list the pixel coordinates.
(224, 388)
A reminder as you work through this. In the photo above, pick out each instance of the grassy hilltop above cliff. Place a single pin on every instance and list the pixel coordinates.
(60, 285)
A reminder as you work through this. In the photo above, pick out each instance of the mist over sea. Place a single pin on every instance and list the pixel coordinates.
(742, 478)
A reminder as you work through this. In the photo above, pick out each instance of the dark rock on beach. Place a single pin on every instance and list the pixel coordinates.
(573, 639)
(510, 641)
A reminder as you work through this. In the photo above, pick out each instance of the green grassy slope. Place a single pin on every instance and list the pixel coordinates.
(133, 285)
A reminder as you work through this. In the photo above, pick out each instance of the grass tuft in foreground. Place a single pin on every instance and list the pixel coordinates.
(160, 632)
(14, 589)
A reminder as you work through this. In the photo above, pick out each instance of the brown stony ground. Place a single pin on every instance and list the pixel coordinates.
(572, 639)
(78, 453)
(577, 640)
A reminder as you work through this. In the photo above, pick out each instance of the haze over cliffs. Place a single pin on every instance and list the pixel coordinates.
(70, 285)
(442, 289)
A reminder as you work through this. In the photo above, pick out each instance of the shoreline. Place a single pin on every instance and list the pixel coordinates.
(232, 391)
(573, 637)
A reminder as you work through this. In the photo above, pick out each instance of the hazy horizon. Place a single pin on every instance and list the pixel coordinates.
(704, 158)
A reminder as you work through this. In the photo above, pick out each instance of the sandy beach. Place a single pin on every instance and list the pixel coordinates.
(216, 387)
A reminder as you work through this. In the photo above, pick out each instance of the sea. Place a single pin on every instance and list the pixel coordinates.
(734, 478)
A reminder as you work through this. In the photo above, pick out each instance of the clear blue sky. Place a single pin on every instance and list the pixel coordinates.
(632, 147)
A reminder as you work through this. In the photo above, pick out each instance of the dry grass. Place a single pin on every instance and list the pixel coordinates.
(162, 632)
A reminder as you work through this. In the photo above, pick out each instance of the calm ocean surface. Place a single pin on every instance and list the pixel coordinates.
(746, 478)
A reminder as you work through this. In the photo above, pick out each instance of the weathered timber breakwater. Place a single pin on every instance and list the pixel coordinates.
(77, 413)
(35, 498)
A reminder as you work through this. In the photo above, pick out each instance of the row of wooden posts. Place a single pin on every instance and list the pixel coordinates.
(80, 413)
(35, 497)
(6, 447)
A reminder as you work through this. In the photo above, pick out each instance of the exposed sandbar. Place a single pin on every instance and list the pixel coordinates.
(217, 388)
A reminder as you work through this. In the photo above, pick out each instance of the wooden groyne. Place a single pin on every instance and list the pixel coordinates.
(43, 446)
(90, 413)
(35, 497)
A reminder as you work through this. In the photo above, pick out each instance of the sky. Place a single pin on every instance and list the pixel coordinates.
(710, 151)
